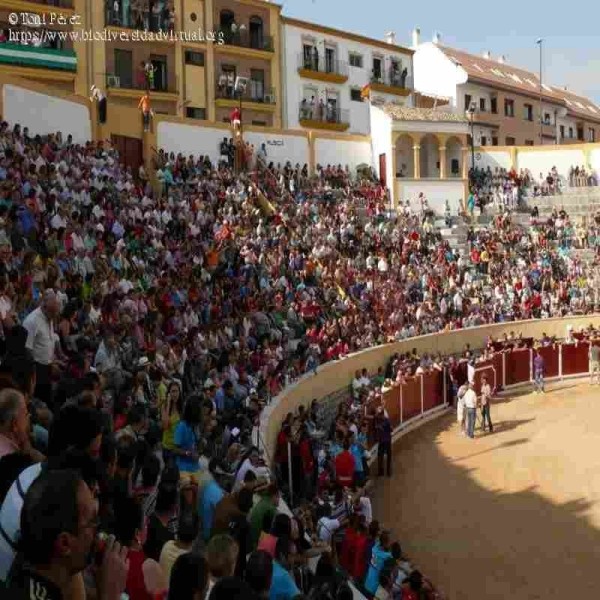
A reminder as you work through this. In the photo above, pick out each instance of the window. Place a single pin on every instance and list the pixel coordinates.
(195, 113)
(330, 66)
(467, 101)
(509, 108)
(257, 39)
(454, 166)
(483, 140)
(510, 141)
(194, 58)
(528, 112)
(494, 141)
(580, 134)
(591, 134)
(529, 142)
(159, 62)
(124, 67)
(494, 105)
(482, 107)
(355, 95)
(356, 60)
(570, 132)
(562, 132)
(547, 119)
(377, 69)
(257, 84)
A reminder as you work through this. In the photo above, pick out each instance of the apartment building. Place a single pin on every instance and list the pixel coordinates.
(510, 106)
(325, 70)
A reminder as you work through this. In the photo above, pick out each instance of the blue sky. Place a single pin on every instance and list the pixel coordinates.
(572, 44)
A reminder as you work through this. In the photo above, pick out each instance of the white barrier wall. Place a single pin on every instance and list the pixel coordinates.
(336, 151)
(193, 139)
(381, 143)
(436, 192)
(492, 159)
(595, 159)
(281, 148)
(540, 161)
(45, 114)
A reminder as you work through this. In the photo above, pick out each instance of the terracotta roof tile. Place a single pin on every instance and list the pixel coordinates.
(405, 113)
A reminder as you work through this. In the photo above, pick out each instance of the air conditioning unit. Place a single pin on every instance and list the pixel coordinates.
(113, 81)
(269, 99)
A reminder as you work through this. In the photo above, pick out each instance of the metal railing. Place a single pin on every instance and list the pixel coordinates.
(322, 113)
(244, 38)
(142, 16)
(134, 81)
(55, 3)
(256, 91)
(322, 64)
(396, 78)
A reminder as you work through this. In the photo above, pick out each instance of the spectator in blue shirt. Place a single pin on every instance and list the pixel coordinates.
(211, 495)
(283, 586)
(186, 439)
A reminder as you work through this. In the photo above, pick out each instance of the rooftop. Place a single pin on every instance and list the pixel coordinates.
(405, 113)
(493, 72)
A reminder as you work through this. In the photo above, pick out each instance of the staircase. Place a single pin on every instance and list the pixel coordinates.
(578, 202)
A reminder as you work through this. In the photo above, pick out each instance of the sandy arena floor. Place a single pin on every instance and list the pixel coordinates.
(509, 515)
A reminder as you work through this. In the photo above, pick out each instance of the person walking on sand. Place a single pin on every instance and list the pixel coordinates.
(470, 400)
(486, 396)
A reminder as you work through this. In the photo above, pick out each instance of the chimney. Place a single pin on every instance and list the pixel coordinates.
(502, 59)
(566, 88)
(416, 35)
(436, 38)
(390, 37)
(487, 55)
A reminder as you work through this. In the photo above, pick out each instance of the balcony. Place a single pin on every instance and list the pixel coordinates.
(256, 96)
(127, 86)
(322, 68)
(395, 82)
(18, 55)
(140, 16)
(323, 117)
(240, 40)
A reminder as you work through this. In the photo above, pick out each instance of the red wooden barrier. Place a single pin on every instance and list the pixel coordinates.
(517, 366)
(575, 358)
(433, 390)
(411, 398)
(550, 354)
(392, 405)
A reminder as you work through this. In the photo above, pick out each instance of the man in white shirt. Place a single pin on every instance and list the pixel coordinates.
(470, 401)
(41, 340)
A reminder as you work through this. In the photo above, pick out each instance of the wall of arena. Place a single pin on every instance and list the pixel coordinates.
(333, 376)
(28, 103)
(437, 191)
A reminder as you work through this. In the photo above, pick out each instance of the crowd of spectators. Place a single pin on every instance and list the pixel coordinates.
(142, 333)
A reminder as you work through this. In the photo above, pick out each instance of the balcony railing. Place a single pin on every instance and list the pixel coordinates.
(256, 91)
(39, 57)
(323, 113)
(141, 16)
(321, 64)
(398, 79)
(245, 38)
(54, 3)
(129, 81)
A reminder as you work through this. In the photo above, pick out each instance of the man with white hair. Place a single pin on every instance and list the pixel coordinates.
(41, 341)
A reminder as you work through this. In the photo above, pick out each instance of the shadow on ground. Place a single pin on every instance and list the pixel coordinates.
(476, 543)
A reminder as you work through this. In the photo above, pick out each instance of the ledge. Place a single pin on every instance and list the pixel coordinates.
(246, 104)
(38, 73)
(310, 124)
(320, 76)
(233, 50)
(137, 94)
(383, 88)
(39, 9)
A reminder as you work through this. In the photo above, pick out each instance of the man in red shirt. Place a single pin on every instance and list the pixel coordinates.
(344, 466)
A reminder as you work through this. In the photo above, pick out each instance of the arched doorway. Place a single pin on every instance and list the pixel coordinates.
(430, 156)
(257, 39)
(453, 157)
(405, 166)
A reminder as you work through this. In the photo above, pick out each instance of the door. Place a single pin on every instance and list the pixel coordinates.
(307, 55)
(159, 63)
(329, 60)
(257, 85)
(130, 150)
(377, 69)
(382, 169)
(256, 33)
(124, 67)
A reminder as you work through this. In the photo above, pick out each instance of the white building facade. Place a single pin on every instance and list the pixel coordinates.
(324, 71)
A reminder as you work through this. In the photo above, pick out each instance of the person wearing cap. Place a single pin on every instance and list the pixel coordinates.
(470, 402)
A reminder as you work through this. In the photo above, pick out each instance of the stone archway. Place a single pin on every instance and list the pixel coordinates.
(430, 156)
(454, 157)
(405, 164)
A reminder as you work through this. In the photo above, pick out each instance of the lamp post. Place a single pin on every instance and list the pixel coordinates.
(471, 113)
(540, 43)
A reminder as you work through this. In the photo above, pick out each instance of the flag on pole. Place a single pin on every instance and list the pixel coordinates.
(365, 92)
